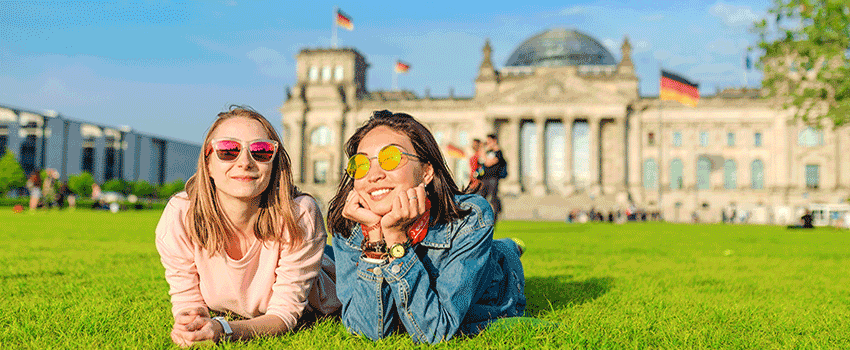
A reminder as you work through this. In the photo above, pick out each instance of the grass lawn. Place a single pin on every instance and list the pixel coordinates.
(93, 280)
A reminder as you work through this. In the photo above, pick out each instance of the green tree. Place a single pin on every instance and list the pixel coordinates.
(116, 185)
(142, 189)
(11, 173)
(169, 189)
(80, 184)
(805, 61)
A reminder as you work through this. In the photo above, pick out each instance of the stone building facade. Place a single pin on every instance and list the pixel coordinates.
(577, 135)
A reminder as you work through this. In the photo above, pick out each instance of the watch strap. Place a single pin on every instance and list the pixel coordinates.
(228, 332)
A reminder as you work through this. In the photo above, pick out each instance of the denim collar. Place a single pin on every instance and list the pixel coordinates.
(437, 236)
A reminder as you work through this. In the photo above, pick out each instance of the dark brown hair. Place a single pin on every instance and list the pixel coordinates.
(440, 191)
(207, 224)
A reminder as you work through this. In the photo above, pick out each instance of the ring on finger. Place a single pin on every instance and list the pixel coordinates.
(414, 197)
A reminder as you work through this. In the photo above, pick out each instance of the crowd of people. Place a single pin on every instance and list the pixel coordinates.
(49, 191)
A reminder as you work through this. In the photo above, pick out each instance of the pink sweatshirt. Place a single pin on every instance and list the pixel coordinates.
(269, 279)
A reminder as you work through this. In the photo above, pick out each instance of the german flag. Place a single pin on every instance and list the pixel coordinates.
(453, 151)
(344, 20)
(401, 67)
(676, 88)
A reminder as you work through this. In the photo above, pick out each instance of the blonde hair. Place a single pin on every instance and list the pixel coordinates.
(207, 224)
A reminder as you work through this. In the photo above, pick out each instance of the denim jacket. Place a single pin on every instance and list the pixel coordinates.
(456, 281)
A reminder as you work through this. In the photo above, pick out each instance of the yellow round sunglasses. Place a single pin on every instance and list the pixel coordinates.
(389, 158)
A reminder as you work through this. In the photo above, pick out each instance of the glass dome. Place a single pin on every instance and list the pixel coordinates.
(560, 47)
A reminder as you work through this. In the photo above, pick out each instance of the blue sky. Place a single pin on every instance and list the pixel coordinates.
(168, 68)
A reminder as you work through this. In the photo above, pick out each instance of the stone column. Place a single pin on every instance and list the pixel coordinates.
(540, 186)
(298, 146)
(569, 186)
(593, 152)
(514, 180)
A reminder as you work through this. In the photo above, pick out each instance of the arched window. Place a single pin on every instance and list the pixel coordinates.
(326, 73)
(810, 137)
(703, 172)
(321, 136)
(650, 174)
(313, 73)
(676, 168)
(757, 174)
(338, 73)
(730, 174)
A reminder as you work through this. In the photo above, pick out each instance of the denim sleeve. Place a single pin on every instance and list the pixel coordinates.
(367, 307)
(434, 313)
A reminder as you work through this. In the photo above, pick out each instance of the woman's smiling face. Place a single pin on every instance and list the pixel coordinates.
(244, 178)
(380, 187)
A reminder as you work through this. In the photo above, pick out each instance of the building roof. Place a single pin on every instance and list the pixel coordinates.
(560, 47)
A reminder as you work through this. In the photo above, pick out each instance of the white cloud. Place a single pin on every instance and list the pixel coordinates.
(642, 46)
(733, 15)
(269, 62)
(715, 69)
(575, 10)
(229, 3)
(610, 44)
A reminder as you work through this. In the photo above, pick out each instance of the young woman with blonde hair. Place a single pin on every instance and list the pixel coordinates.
(242, 240)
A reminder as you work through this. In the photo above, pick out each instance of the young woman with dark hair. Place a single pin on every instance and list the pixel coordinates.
(413, 251)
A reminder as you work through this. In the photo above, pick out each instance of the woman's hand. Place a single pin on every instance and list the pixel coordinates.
(193, 326)
(407, 207)
(357, 210)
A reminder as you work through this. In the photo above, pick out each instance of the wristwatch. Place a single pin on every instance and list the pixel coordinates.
(228, 332)
(399, 250)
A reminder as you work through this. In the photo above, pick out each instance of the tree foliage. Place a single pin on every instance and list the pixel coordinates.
(805, 61)
(116, 185)
(11, 173)
(142, 189)
(80, 184)
(171, 188)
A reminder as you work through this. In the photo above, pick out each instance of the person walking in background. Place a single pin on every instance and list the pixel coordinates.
(475, 169)
(49, 188)
(243, 240)
(495, 168)
(34, 187)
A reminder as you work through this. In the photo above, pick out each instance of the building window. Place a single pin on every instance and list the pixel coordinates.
(313, 73)
(109, 164)
(703, 138)
(810, 137)
(757, 174)
(730, 174)
(27, 154)
(650, 139)
(338, 73)
(88, 160)
(730, 139)
(320, 171)
(650, 174)
(757, 139)
(4, 130)
(812, 176)
(677, 139)
(321, 136)
(703, 172)
(326, 73)
(676, 168)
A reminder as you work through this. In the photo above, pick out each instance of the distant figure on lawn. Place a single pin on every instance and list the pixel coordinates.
(243, 240)
(806, 221)
(495, 169)
(34, 187)
(414, 252)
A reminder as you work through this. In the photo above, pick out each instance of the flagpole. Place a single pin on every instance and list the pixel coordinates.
(334, 29)
(395, 79)
(660, 143)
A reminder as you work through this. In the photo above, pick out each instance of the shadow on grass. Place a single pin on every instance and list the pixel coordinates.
(555, 292)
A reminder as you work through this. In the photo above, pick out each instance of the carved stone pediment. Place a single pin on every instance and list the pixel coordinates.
(558, 88)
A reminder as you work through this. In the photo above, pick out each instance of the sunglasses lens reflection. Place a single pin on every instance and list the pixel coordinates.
(389, 157)
(358, 166)
(262, 151)
(227, 150)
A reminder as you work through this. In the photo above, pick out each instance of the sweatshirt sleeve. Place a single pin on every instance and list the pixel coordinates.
(177, 254)
(297, 268)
